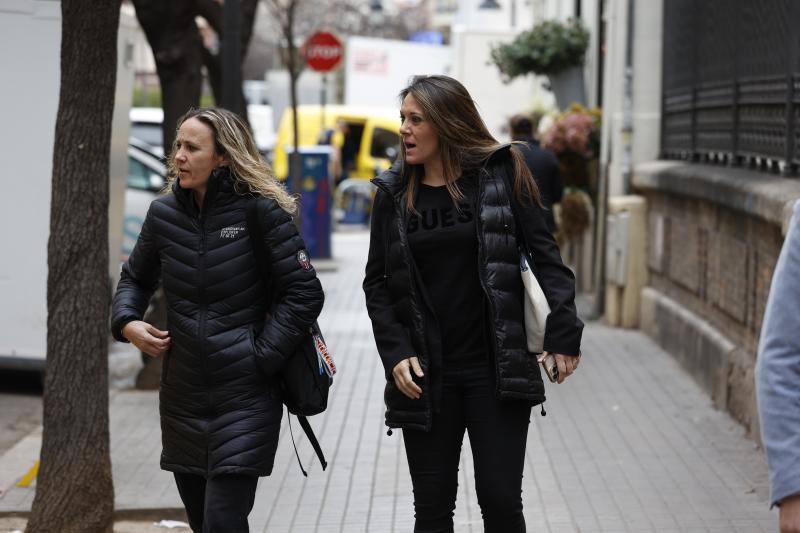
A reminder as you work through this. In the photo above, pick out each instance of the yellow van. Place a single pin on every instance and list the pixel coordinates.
(367, 137)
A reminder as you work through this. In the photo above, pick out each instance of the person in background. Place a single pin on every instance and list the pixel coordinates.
(444, 294)
(542, 163)
(219, 397)
(778, 381)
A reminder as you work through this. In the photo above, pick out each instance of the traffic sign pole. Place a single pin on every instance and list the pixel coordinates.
(323, 97)
(323, 52)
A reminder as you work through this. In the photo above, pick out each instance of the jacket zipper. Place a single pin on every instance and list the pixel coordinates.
(482, 276)
(202, 324)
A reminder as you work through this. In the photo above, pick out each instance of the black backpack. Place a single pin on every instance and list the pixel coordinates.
(303, 379)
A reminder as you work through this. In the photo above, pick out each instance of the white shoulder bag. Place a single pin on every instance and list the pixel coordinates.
(536, 307)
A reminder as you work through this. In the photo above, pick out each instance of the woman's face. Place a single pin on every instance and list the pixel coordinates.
(419, 138)
(196, 156)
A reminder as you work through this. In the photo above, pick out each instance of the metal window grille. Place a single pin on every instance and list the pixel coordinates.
(731, 83)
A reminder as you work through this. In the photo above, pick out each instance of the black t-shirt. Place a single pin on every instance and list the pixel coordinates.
(444, 244)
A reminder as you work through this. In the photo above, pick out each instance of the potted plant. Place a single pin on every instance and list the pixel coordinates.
(551, 48)
(574, 137)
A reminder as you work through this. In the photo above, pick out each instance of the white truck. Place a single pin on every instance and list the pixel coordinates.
(30, 31)
(377, 69)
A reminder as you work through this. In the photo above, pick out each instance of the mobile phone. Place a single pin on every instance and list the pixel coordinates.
(550, 368)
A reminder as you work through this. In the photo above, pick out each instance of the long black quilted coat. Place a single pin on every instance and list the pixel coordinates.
(403, 320)
(220, 408)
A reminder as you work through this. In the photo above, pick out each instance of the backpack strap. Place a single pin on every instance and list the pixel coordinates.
(260, 252)
(256, 236)
(312, 439)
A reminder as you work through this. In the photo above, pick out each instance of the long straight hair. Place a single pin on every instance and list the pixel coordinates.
(232, 139)
(465, 143)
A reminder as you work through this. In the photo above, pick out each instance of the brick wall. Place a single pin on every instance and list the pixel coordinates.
(715, 261)
(714, 236)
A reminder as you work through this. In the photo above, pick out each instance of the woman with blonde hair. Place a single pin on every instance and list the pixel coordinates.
(220, 404)
(445, 297)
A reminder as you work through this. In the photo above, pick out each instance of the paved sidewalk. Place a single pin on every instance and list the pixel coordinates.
(629, 443)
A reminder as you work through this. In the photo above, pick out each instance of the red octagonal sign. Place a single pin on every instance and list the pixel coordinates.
(323, 51)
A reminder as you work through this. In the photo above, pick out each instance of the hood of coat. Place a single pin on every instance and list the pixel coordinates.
(392, 180)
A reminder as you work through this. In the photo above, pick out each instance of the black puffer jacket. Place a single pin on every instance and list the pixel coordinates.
(404, 323)
(220, 410)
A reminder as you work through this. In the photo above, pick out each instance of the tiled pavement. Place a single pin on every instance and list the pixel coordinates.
(630, 443)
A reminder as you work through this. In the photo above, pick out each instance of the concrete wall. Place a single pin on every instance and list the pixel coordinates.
(647, 37)
(625, 150)
(514, 15)
(497, 101)
(714, 236)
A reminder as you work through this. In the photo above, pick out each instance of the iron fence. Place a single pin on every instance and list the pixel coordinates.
(731, 82)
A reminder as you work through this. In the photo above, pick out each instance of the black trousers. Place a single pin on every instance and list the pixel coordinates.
(217, 505)
(497, 433)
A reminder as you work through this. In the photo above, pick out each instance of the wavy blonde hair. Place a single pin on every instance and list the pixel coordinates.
(232, 139)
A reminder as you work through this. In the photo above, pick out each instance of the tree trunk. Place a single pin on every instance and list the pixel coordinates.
(294, 71)
(174, 38)
(212, 12)
(74, 490)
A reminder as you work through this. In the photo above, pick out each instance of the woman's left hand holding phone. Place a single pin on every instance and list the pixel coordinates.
(147, 338)
(403, 379)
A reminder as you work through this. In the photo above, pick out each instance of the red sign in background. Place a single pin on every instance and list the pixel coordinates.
(323, 51)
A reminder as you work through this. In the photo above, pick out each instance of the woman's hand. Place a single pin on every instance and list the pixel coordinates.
(402, 377)
(566, 364)
(147, 338)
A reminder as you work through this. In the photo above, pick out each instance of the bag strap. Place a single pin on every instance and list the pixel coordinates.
(312, 439)
(256, 236)
(520, 233)
(260, 252)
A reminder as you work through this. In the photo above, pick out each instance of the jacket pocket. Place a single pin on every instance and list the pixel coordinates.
(396, 400)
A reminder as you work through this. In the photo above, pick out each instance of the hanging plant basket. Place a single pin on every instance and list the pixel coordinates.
(550, 48)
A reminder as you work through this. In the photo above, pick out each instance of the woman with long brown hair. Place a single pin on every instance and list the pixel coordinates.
(219, 398)
(445, 297)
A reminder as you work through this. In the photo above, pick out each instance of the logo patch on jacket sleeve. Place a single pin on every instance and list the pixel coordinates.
(303, 260)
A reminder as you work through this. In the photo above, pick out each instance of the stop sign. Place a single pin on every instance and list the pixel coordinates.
(323, 51)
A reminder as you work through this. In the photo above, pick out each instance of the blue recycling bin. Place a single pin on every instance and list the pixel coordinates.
(315, 200)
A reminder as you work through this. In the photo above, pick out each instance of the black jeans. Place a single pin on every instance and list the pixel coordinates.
(217, 505)
(497, 433)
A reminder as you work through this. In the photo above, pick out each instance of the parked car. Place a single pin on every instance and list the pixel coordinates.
(146, 128)
(146, 178)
